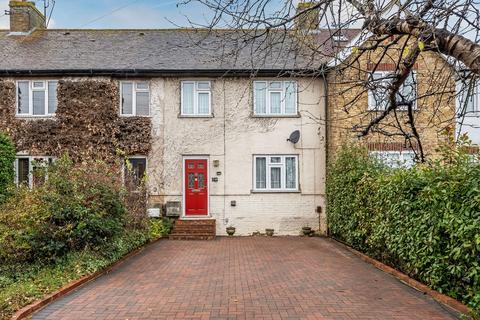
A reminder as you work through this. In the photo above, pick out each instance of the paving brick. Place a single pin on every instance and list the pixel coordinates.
(245, 278)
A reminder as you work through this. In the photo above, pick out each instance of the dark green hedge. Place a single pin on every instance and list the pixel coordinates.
(424, 221)
(7, 157)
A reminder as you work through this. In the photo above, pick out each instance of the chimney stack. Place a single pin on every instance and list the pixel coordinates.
(25, 17)
(310, 19)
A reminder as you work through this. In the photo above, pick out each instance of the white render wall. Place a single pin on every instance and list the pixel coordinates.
(233, 136)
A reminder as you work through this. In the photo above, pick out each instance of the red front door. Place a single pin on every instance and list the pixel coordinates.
(196, 187)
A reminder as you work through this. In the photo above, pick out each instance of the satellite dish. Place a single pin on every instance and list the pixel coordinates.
(294, 137)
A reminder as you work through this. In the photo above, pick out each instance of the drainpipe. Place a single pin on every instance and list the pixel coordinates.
(325, 85)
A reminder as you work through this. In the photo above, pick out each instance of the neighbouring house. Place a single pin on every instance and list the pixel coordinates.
(353, 102)
(210, 134)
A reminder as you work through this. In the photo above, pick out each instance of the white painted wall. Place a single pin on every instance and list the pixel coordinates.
(233, 136)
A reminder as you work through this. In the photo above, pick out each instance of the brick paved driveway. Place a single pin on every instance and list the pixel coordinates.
(245, 278)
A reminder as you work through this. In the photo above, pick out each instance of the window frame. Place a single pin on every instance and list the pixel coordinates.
(133, 157)
(196, 92)
(283, 173)
(31, 89)
(48, 159)
(283, 93)
(461, 101)
(402, 161)
(374, 108)
(135, 89)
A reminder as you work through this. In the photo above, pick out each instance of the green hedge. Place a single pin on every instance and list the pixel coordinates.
(7, 174)
(424, 221)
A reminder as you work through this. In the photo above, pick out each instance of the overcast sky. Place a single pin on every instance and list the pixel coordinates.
(124, 13)
(115, 14)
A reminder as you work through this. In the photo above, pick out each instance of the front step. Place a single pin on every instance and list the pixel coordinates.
(193, 230)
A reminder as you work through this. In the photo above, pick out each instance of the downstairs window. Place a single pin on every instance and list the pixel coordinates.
(275, 173)
(31, 171)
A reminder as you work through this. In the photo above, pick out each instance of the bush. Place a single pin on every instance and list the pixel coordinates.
(78, 206)
(424, 221)
(160, 227)
(7, 174)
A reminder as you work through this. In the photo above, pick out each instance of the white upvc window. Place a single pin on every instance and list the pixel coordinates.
(196, 98)
(275, 173)
(378, 96)
(135, 98)
(275, 98)
(395, 159)
(468, 98)
(36, 98)
(30, 170)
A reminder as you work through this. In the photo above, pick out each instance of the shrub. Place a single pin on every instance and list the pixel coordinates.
(160, 227)
(7, 158)
(78, 206)
(424, 221)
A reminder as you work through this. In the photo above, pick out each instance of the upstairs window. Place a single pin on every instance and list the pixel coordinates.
(36, 98)
(275, 173)
(31, 171)
(135, 98)
(196, 98)
(468, 98)
(395, 159)
(378, 96)
(275, 98)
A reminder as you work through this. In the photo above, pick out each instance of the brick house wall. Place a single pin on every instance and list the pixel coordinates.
(435, 107)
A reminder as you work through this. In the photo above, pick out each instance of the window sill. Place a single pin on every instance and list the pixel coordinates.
(472, 114)
(43, 117)
(133, 116)
(207, 116)
(399, 109)
(275, 191)
(275, 115)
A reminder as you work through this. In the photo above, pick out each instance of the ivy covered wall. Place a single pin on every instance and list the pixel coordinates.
(87, 123)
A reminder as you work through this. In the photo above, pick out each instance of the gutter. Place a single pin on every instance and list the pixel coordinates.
(155, 72)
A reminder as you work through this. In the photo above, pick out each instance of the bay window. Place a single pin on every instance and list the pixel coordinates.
(275, 173)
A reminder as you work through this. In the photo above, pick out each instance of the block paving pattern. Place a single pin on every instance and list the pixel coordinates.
(245, 278)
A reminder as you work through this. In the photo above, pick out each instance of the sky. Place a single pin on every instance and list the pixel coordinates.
(127, 14)
(116, 14)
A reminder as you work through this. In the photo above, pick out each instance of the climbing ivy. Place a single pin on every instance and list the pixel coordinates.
(7, 158)
(424, 221)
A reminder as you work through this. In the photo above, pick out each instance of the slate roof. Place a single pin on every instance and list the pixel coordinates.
(151, 51)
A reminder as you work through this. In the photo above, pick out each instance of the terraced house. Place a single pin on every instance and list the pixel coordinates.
(226, 135)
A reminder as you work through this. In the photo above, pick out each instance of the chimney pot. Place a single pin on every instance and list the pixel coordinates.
(25, 17)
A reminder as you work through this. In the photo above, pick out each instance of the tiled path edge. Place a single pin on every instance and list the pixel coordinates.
(37, 305)
(445, 300)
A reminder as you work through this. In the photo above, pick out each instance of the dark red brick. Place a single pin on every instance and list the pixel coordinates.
(245, 278)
